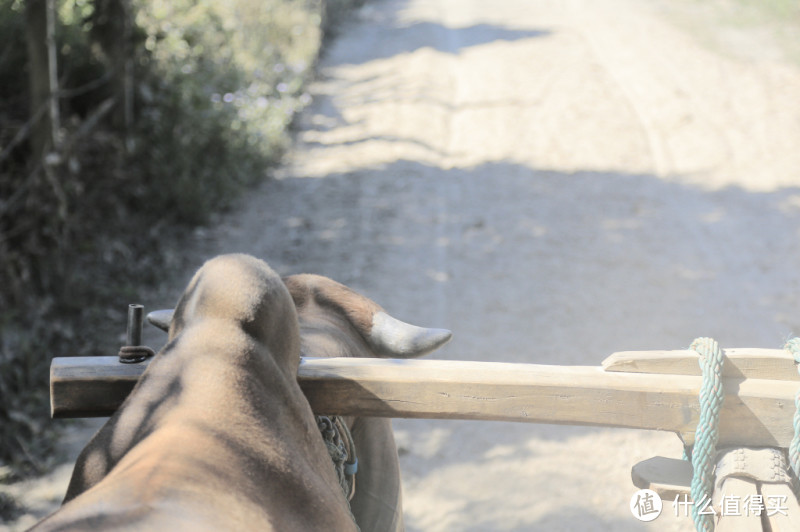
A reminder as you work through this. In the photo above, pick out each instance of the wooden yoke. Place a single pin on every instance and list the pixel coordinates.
(671, 478)
(630, 390)
(750, 376)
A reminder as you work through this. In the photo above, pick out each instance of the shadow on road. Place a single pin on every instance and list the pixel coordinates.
(394, 37)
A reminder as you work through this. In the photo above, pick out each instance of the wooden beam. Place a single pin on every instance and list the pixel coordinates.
(90, 386)
(751, 363)
(743, 490)
(756, 412)
(783, 509)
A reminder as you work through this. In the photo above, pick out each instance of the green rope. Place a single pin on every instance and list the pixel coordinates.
(793, 347)
(704, 451)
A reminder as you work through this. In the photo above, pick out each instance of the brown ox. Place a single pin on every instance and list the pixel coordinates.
(217, 433)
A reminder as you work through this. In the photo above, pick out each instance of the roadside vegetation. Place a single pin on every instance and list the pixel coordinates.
(123, 124)
(724, 25)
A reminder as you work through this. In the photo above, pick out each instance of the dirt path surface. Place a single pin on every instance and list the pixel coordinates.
(553, 181)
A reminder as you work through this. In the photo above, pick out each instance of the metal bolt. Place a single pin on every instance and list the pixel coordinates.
(135, 320)
(135, 352)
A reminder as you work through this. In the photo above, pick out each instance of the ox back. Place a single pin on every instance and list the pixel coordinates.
(217, 433)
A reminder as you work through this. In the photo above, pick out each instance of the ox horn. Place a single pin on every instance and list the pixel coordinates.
(390, 337)
(393, 338)
(161, 318)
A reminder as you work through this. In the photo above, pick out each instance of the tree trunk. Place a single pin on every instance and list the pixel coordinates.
(43, 77)
(111, 29)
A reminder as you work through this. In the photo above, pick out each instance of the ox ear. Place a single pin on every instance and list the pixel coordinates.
(161, 318)
(393, 338)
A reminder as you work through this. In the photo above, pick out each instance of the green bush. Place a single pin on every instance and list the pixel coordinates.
(26, 434)
(221, 84)
(216, 87)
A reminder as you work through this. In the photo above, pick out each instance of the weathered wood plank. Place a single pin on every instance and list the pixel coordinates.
(739, 518)
(782, 507)
(752, 363)
(756, 412)
(90, 386)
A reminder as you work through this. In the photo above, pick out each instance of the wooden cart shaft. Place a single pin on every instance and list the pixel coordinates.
(627, 391)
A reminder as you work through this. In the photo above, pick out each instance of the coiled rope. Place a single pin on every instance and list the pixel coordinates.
(703, 454)
(342, 451)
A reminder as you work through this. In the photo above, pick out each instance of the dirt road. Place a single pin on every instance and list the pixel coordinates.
(553, 181)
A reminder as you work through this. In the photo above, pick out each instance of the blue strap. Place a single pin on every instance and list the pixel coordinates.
(351, 468)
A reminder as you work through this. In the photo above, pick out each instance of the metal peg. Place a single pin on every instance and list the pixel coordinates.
(135, 352)
(135, 321)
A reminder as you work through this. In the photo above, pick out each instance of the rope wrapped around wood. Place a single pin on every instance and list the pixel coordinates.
(133, 354)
